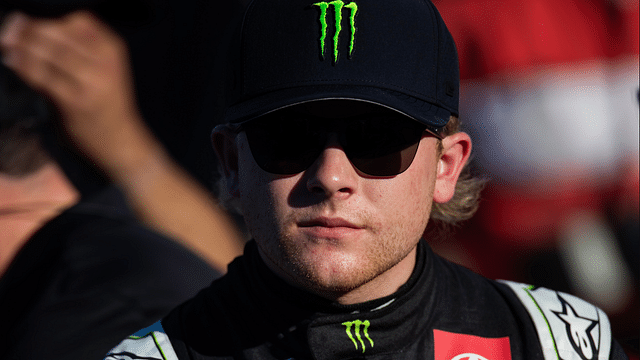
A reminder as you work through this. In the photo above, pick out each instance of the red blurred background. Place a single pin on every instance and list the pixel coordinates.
(550, 97)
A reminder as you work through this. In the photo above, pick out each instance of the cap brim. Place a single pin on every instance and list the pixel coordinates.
(419, 110)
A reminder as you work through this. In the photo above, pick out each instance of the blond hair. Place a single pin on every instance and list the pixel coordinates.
(466, 198)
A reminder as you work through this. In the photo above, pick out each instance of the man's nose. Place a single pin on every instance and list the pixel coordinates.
(332, 173)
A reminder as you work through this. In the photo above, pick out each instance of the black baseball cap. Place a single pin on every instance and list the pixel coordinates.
(398, 54)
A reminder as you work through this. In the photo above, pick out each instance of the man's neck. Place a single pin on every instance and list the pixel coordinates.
(27, 203)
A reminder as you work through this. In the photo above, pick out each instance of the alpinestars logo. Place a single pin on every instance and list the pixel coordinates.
(337, 5)
(358, 325)
(579, 330)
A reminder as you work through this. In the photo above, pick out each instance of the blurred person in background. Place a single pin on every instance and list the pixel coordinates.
(550, 94)
(79, 272)
(76, 269)
(123, 147)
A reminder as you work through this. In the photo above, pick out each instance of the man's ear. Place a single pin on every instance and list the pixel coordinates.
(456, 149)
(224, 145)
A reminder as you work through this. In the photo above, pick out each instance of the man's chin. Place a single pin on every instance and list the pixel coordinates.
(331, 279)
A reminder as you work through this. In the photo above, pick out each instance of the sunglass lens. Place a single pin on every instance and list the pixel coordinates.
(387, 165)
(283, 146)
(384, 148)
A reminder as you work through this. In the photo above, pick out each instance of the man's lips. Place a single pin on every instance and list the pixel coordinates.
(329, 227)
(328, 223)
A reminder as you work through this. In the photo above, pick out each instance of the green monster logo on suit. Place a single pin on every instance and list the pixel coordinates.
(365, 331)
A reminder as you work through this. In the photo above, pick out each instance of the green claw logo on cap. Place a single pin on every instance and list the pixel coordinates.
(337, 7)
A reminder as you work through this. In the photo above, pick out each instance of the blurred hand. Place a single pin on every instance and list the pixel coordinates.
(83, 67)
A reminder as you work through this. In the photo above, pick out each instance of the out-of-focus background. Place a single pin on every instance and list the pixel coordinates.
(549, 95)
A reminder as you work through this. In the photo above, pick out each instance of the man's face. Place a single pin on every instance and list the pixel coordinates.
(332, 229)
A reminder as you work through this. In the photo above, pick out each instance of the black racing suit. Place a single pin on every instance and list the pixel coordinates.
(443, 312)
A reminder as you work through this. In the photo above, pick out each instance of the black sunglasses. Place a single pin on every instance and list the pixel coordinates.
(287, 141)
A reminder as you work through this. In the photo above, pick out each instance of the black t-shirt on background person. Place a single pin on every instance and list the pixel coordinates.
(90, 277)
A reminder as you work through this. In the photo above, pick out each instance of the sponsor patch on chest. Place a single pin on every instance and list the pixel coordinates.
(452, 346)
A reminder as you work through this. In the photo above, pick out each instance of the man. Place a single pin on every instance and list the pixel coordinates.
(340, 145)
(77, 271)
(79, 62)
